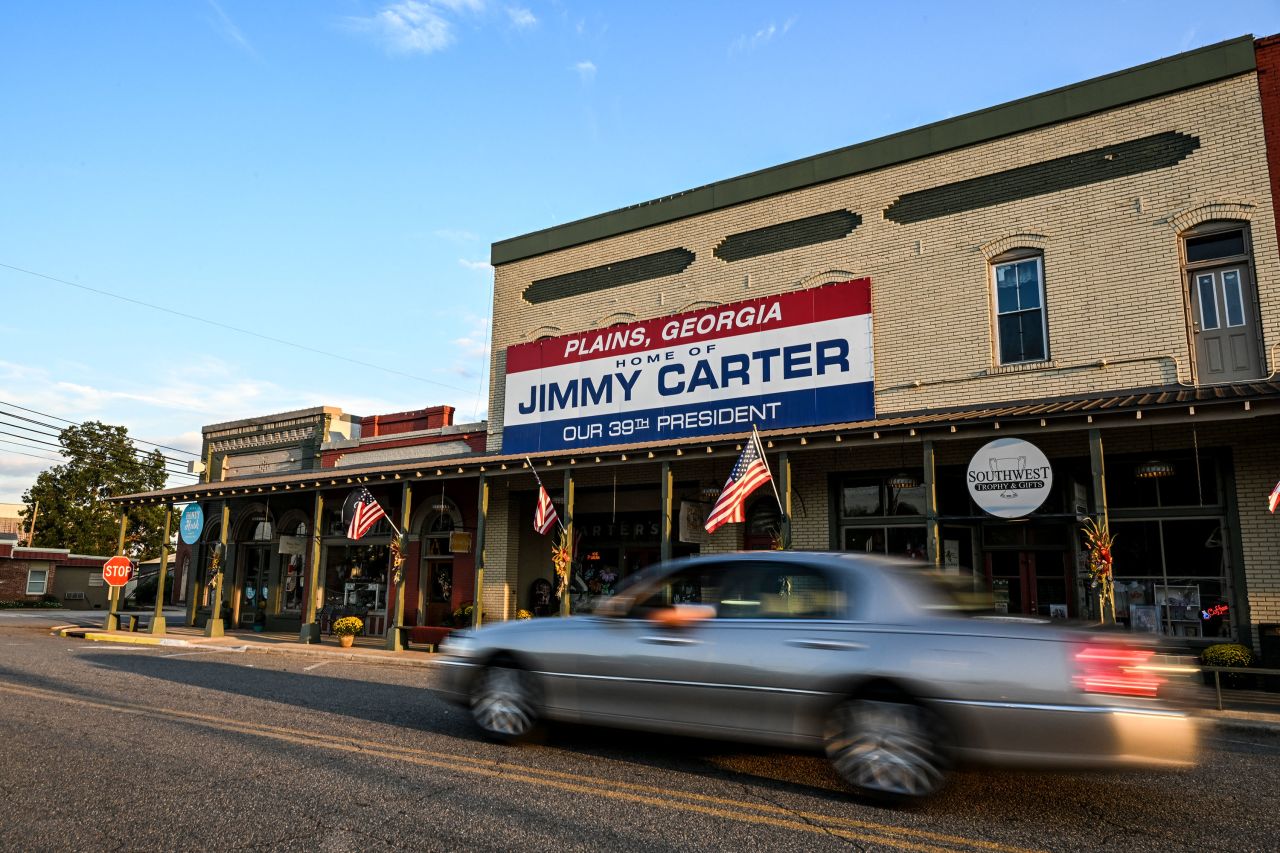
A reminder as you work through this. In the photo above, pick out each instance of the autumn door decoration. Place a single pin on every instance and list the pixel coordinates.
(1098, 540)
(562, 560)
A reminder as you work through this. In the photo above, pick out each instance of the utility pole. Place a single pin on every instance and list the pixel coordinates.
(31, 531)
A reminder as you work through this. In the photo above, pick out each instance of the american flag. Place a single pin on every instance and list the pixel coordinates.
(1274, 500)
(361, 512)
(544, 517)
(750, 473)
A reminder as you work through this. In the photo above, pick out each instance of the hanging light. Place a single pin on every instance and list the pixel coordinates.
(710, 492)
(1153, 469)
(903, 480)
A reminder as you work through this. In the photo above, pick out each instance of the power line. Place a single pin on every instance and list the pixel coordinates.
(231, 328)
(137, 450)
(32, 455)
(97, 449)
(79, 423)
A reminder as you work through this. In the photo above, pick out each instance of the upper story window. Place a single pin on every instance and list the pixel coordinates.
(1021, 330)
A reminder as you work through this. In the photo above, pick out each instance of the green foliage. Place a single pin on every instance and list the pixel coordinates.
(101, 463)
(348, 626)
(45, 601)
(1227, 654)
(144, 594)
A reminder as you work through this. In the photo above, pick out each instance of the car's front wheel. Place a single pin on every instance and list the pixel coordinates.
(502, 702)
(887, 749)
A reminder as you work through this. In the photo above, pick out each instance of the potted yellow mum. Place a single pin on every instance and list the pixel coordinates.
(346, 629)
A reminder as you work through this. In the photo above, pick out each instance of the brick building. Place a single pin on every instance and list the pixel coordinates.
(1090, 276)
(276, 532)
(31, 574)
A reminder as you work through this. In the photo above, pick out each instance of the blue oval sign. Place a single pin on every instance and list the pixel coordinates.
(191, 525)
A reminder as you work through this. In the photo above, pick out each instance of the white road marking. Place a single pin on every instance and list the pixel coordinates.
(316, 665)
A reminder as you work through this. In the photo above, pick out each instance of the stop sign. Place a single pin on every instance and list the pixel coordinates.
(117, 571)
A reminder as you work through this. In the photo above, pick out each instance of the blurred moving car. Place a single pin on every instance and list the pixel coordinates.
(884, 666)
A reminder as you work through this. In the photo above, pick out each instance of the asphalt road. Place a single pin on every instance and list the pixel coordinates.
(110, 747)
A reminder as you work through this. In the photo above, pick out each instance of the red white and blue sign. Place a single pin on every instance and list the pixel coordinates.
(795, 359)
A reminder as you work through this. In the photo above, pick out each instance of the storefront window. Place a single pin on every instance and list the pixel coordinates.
(356, 580)
(293, 593)
(860, 500)
(1171, 577)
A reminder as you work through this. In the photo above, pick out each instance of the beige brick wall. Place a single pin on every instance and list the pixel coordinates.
(1113, 281)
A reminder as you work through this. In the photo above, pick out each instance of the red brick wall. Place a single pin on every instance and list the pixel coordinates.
(1267, 53)
(13, 579)
(398, 422)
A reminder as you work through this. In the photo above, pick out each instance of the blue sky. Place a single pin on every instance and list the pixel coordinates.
(332, 172)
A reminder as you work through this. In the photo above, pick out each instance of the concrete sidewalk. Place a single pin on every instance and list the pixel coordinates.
(365, 649)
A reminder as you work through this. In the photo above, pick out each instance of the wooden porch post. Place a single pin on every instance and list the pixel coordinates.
(213, 628)
(568, 527)
(784, 492)
(1098, 467)
(393, 630)
(932, 529)
(310, 632)
(667, 500)
(157, 618)
(481, 515)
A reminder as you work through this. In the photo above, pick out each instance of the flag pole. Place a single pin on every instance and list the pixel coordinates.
(534, 469)
(755, 436)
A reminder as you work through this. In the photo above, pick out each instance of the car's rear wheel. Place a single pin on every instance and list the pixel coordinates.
(888, 749)
(502, 702)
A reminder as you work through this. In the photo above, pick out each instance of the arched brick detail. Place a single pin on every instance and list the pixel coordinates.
(1021, 240)
(544, 332)
(1215, 210)
(616, 318)
(697, 305)
(825, 277)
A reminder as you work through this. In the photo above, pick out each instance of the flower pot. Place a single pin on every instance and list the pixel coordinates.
(346, 640)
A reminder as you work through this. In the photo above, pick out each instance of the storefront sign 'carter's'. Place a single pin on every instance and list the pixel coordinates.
(796, 359)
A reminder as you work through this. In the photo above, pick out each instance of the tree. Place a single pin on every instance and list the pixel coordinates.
(74, 513)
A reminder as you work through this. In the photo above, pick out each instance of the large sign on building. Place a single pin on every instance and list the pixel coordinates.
(796, 359)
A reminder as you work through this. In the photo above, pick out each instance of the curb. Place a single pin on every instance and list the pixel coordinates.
(138, 640)
(80, 632)
(357, 657)
(1269, 724)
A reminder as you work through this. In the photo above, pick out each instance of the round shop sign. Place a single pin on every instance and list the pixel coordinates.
(191, 524)
(1009, 477)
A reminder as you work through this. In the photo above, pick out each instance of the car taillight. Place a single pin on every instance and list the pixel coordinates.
(1116, 670)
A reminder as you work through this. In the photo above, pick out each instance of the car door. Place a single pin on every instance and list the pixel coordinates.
(637, 670)
(781, 640)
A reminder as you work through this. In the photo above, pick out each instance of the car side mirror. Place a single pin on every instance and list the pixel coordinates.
(682, 615)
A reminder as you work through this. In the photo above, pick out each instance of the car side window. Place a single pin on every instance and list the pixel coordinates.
(697, 584)
(780, 591)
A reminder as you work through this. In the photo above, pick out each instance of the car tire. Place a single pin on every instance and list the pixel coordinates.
(887, 749)
(503, 703)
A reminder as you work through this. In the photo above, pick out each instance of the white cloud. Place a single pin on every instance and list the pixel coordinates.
(410, 26)
(521, 18)
(586, 70)
(761, 37)
(478, 266)
(230, 31)
(456, 235)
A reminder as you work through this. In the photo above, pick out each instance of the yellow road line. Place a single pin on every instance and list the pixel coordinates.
(751, 812)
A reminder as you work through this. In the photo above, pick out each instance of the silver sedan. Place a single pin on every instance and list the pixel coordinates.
(887, 668)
